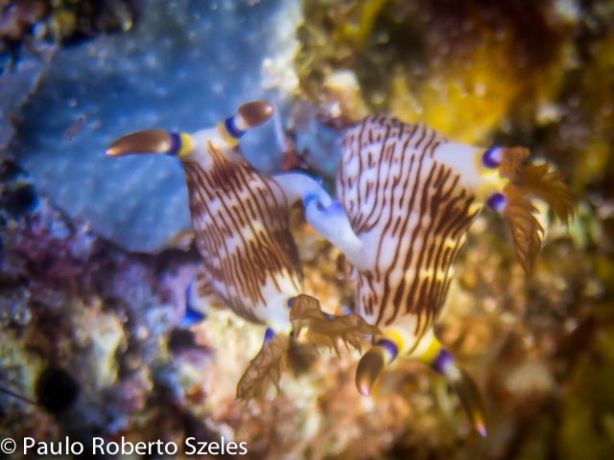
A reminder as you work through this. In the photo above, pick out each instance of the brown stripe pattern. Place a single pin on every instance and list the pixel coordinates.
(410, 212)
(240, 218)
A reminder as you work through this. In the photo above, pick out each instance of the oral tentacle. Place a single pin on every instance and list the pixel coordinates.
(462, 383)
(151, 141)
(471, 400)
(373, 363)
(253, 114)
(248, 115)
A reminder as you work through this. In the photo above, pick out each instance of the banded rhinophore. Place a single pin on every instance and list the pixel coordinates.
(250, 261)
(406, 198)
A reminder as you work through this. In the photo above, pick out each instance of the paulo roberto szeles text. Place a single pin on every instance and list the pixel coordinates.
(123, 446)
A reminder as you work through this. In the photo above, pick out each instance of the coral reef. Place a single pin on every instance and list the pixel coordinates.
(96, 338)
(460, 67)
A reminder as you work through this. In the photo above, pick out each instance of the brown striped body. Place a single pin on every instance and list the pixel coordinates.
(240, 219)
(411, 212)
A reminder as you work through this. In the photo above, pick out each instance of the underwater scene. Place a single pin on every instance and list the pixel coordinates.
(307, 229)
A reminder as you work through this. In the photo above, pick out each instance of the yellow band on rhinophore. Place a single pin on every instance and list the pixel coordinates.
(226, 136)
(395, 337)
(187, 144)
(431, 351)
(486, 189)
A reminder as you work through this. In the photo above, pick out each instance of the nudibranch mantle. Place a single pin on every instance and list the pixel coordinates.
(407, 197)
(242, 231)
(250, 260)
(239, 217)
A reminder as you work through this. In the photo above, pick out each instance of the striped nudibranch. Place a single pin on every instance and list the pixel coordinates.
(240, 220)
(239, 215)
(407, 197)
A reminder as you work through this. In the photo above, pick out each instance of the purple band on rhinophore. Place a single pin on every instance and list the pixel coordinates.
(441, 361)
(268, 335)
(489, 159)
(235, 132)
(389, 346)
(496, 201)
(175, 140)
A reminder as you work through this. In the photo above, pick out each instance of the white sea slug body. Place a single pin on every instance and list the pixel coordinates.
(250, 260)
(407, 197)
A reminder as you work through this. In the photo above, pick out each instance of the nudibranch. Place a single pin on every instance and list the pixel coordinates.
(406, 199)
(250, 260)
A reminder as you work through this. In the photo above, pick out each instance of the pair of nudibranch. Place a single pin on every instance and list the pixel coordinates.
(405, 199)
